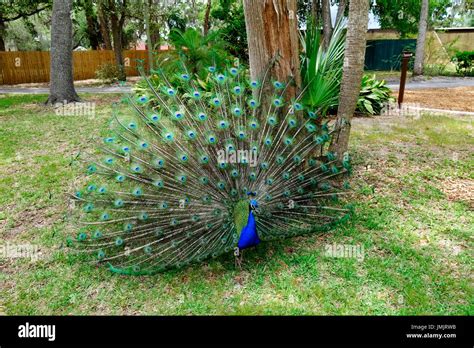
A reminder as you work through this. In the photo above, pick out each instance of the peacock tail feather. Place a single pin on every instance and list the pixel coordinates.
(171, 185)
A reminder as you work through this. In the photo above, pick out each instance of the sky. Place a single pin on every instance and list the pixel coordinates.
(373, 22)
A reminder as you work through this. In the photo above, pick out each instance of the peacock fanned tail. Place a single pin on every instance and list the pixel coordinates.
(172, 184)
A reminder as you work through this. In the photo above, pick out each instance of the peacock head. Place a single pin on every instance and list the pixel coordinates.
(253, 202)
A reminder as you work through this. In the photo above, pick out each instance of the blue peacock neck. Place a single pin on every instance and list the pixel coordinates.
(248, 234)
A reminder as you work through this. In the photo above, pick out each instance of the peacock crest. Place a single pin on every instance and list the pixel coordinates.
(195, 168)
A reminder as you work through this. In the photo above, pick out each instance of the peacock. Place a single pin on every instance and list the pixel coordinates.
(194, 168)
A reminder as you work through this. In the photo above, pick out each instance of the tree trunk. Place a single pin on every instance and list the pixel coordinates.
(315, 10)
(117, 26)
(92, 33)
(272, 36)
(61, 76)
(206, 18)
(340, 10)
(104, 26)
(353, 69)
(148, 36)
(2, 33)
(420, 41)
(327, 22)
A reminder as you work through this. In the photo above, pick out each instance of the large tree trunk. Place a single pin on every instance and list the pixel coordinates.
(117, 27)
(104, 26)
(272, 36)
(420, 41)
(327, 22)
(340, 10)
(206, 25)
(61, 76)
(352, 73)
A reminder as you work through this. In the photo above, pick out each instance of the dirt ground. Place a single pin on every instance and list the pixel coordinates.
(457, 98)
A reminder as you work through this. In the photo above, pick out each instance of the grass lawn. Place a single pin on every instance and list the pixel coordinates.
(413, 185)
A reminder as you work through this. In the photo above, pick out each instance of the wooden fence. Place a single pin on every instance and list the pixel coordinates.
(33, 66)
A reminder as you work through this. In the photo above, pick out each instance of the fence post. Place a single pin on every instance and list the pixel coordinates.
(401, 90)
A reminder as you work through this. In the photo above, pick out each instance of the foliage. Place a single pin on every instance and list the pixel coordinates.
(374, 95)
(231, 27)
(14, 9)
(464, 63)
(108, 73)
(404, 15)
(321, 70)
(321, 73)
(28, 34)
(197, 51)
(439, 59)
(193, 50)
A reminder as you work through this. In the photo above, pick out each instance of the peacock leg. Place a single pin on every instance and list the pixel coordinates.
(238, 258)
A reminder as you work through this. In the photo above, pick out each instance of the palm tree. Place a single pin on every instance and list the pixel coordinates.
(420, 41)
(327, 22)
(353, 69)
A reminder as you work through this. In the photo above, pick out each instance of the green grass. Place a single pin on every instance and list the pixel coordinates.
(417, 243)
(387, 75)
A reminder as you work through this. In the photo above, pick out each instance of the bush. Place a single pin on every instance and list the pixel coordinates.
(321, 69)
(194, 53)
(374, 95)
(464, 63)
(108, 73)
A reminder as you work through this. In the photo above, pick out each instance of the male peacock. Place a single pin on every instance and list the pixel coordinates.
(197, 168)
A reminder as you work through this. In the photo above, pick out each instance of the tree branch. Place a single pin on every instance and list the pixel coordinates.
(24, 14)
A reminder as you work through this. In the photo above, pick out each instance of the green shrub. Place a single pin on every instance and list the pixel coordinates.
(464, 63)
(192, 52)
(108, 73)
(321, 73)
(374, 95)
(321, 69)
